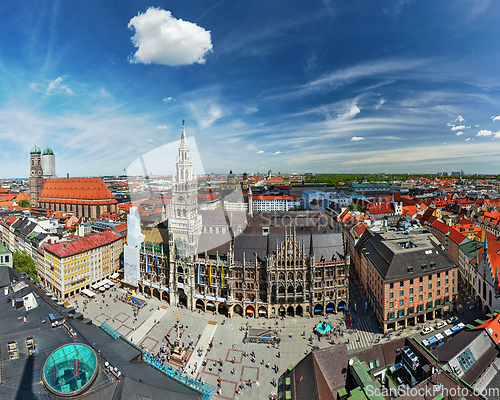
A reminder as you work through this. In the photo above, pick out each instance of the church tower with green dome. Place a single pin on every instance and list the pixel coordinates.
(36, 176)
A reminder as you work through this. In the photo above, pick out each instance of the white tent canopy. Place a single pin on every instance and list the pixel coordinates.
(88, 293)
(115, 275)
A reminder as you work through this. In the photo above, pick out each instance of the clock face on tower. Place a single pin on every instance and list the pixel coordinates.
(180, 198)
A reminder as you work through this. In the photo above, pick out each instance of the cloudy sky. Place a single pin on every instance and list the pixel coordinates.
(295, 86)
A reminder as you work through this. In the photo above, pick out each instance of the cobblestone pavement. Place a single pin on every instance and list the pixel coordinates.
(154, 321)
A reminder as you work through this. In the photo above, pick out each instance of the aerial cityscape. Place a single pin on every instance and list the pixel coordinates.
(221, 200)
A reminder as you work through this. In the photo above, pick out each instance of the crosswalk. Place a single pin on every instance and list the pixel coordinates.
(365, 334)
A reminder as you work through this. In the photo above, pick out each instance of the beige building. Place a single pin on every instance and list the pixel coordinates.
(68, 267)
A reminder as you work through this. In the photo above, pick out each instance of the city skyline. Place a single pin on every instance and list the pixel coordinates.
(394, 86)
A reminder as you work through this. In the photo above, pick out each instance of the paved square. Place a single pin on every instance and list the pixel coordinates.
(237, 354)
(228, 390)
(149, 343)
(121, 317)
(102, 318)
(124, 330)
(249, 373)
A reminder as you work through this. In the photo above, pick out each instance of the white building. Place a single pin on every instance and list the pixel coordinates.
(274, 203)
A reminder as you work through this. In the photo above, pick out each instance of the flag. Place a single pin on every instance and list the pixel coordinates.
(222, 275)
(199, 277)
(210, 274)
(147, 263)
(157, 264)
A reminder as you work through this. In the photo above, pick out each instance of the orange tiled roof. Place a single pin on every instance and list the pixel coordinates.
(91, 191)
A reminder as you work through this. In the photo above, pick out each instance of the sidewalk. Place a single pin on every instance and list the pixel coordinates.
(206, 337)
(137, 335)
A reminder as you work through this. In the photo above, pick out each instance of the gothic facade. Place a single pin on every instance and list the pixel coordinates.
(264, 273)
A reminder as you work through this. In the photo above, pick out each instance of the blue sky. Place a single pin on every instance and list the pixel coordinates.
(291, 86)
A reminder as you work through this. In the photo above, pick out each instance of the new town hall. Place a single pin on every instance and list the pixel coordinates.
(251, 264)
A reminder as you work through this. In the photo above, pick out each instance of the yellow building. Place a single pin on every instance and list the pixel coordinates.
(68, 267)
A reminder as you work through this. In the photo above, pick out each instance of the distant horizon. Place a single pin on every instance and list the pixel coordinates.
(283, 173)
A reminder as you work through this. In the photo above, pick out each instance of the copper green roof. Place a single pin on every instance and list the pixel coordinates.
(35, 150)
(48, 151)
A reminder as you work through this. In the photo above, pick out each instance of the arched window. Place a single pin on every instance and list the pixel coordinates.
(299, 275)
(290, 276)
(282, 276)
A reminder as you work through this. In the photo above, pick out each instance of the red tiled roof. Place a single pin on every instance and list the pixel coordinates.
(208, 196)
(82, 244)
(380, 208)
(360, 228)
(90, 191)
(453, 234)
(288, 198)
(494, 324)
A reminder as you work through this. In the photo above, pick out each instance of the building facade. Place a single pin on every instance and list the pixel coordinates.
(260, 267)
(68, 267)
(406, 277)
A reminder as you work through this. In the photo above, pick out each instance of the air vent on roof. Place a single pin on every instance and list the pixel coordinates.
(424, 266)
(433, 264)
(410, 268)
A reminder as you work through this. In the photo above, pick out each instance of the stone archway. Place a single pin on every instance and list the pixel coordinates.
(262, 311)
(298, 311)
(211, 306)
(200, 305)
(165, 296)
(330, 308)
(222, 309)
(156, 293)
(318, 309)
(183, 299)
(147, 290)
(281, 311)
(341, 306)
(238, 309)
(290, 311)
(250, 311)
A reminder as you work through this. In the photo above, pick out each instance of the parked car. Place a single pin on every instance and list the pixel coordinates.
(439, 325)
(452, 320)
(426, 330)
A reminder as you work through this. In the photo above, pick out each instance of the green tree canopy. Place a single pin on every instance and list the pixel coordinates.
(22, 261)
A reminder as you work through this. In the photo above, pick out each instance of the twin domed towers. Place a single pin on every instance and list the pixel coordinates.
(42, 166)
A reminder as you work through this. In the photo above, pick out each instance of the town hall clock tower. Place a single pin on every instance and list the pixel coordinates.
(184, 221)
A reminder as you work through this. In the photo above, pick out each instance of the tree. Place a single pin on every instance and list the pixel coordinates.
(24, 203)
(23, 262)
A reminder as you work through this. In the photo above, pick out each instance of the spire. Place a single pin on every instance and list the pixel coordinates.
(311, 248)
(496, 277)
(183, 137)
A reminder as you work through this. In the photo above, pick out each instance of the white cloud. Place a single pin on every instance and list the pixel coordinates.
(496, 118)
(162, 39)
(163, 127)
(251, 110)
(56, 86)
(380, 104)
(150, 141)
(357, 138)
(457, 128)
(467, 139)
(207, 112)
(353, 111)
(167, 99)
(460, 119)
(260, 152)
(460, 133)
(276, 153)
(488, 133)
